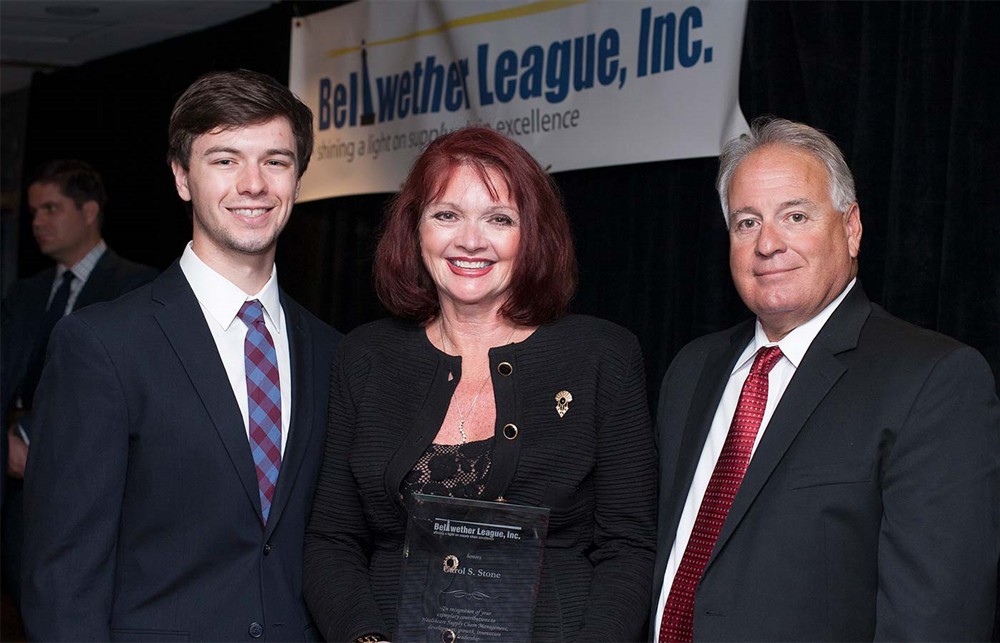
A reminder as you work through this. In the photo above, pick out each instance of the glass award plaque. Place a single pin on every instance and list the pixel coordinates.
(470, 571)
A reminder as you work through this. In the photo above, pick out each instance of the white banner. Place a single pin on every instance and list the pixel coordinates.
(579, 84)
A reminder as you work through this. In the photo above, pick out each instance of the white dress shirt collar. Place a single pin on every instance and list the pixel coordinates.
(81, 273)
(795, 344)
(222, 299)
(85, 266)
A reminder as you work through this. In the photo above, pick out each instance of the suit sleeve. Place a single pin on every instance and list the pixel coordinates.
(625, 512)
(74, 488)
(338, 543)
(940, 531)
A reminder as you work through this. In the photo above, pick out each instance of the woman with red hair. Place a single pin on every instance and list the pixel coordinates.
(483, 387)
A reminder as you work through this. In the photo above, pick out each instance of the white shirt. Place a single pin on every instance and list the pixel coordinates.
(81, 273)
(793, 348)
(220, 302)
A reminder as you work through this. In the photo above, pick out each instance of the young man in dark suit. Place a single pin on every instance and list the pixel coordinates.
(828, 471)
(180, 429)
(66, 199)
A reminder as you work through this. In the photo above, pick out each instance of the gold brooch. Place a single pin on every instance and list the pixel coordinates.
(563, 398)
(451, 564)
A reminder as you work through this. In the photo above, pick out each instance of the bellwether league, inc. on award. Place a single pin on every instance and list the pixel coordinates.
(470, 570)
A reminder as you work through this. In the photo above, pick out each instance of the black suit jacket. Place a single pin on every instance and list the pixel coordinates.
(24, 307)
(143, 514)
(871, 508)
(21, 315)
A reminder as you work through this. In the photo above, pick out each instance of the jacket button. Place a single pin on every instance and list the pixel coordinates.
(510, 431)
(267, 549)
(256, 630)
(504, 368)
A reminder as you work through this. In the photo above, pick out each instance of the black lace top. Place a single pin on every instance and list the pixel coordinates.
(452, 470)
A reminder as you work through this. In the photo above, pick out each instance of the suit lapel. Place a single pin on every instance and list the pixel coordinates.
(816, 375)
(704, 402)
(36, 300)
(24, 328)
(183, 323)
(39, 297)
(300, 425)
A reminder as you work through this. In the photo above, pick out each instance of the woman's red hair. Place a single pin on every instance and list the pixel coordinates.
(544, 276)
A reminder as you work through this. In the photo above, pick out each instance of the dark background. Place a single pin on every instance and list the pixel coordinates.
(908, 90)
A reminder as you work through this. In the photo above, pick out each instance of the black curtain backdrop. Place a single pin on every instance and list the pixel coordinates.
(908, 90)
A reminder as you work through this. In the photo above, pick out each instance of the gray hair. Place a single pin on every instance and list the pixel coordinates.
(766, 131)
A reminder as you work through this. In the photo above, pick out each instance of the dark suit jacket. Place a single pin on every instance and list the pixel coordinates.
(871, 508)
(24, 308)
(143, 514)
(594, 468)
(20, 317)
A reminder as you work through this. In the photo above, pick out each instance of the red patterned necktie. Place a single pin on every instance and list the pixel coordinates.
(678, 614)
(264, 397)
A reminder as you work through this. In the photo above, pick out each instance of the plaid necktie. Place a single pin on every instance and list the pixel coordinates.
(264, 397)
(678, 614)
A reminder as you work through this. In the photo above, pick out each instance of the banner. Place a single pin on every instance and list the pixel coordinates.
(579, 84)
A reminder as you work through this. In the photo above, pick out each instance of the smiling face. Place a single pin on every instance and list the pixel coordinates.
(791, 252)
(469, 241)
(241, 183)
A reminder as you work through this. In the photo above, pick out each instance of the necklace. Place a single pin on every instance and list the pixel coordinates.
(463, 416)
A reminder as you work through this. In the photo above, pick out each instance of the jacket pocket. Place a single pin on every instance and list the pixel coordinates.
(829, 474)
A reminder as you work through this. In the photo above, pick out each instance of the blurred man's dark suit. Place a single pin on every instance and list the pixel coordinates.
(20, 320)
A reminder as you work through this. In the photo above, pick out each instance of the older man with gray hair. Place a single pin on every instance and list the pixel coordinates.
(828, 471)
